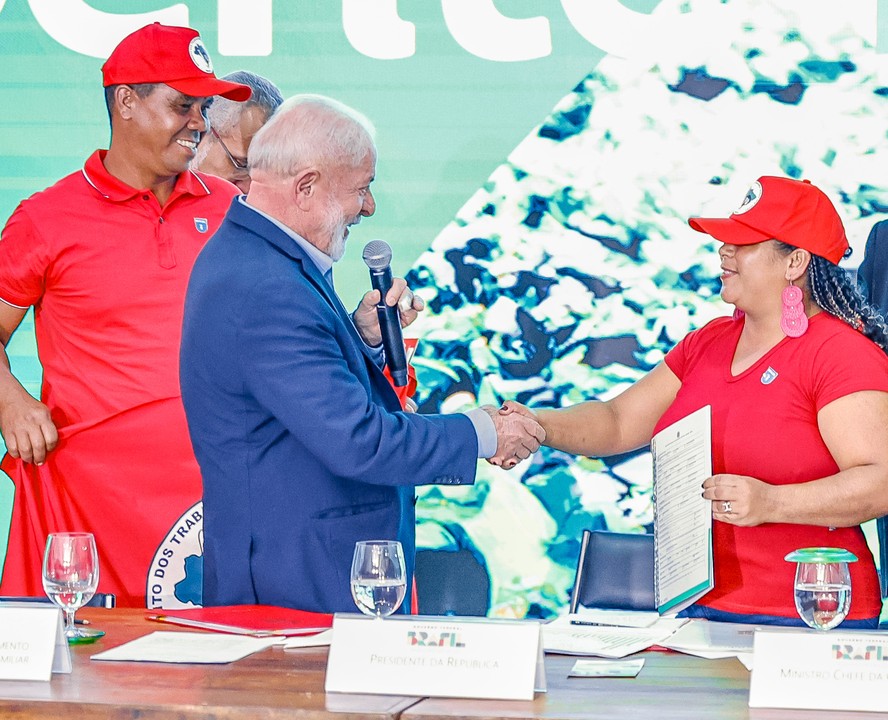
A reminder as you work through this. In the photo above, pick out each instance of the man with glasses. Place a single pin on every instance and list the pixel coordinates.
(223, 150)
(104, 257)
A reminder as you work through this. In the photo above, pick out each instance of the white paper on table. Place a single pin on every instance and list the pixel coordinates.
(620, 618)
(185, 647)
(682, 456)
(607, 668)
(706, 638)
(303, 641)
(559, 636)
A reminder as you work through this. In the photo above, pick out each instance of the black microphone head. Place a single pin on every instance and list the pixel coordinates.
(377, 254)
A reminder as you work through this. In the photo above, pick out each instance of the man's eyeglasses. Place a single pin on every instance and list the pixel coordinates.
(234, 161)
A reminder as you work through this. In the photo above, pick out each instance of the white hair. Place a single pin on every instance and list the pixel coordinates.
(224, 114)
(311, 130)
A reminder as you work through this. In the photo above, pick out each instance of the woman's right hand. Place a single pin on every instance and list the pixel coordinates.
(512, 406)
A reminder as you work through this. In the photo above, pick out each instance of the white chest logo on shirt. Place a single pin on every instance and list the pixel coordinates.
(769, 376)
(201, 224)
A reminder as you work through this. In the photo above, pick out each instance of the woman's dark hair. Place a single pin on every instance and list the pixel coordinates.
(832, 289)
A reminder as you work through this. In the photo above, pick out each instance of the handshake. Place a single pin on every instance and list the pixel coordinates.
(518, 434)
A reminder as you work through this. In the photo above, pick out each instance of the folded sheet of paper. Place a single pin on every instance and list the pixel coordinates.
(185, 647)
(708, 639)
(560, 636)
(320, 639)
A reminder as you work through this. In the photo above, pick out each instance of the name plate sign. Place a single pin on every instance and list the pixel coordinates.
(32, 642)
(807, 669)
(436, 657)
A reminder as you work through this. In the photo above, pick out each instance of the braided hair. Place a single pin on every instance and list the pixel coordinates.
(831, 288)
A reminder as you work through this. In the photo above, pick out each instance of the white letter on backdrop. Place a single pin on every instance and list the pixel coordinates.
(245, 27)
(614, 28)
(485, 32)
(374, 29)
(881, 26)
(88, 31)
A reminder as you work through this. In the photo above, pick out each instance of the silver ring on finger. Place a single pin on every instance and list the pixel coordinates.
(726, 507)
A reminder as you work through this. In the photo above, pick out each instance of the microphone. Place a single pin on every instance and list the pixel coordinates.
(378, 257)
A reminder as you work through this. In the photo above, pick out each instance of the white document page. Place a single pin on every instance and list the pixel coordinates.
(560, 636)
(303, 641)
(682, 456)
(184, 647)
(708, 639)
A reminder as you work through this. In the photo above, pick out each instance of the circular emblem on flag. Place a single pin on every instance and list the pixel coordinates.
(753, 195)
(199, 55)
(175, 576)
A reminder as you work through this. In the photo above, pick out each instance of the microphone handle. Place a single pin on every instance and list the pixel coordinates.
(390, 327)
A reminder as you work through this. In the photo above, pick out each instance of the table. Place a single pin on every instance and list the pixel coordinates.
(277, 683)
(272, 684)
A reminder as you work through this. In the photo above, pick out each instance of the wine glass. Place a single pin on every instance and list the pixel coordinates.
(378, 577)
(822, 585)
(70, 578)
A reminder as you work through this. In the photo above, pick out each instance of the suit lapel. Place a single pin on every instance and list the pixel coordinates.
(272, 234)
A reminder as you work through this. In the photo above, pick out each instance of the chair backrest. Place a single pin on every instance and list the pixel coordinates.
(882, 533)
(451, 583)
(614, 571)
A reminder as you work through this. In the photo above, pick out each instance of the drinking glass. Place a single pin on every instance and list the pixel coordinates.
(822, 585)
(378, 577)
(70, 578)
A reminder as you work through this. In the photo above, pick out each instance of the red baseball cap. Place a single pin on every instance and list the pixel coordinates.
(779, 208)
(175, 56)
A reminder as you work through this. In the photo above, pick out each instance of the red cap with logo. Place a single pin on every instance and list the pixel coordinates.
(175, 56)
(778, 208)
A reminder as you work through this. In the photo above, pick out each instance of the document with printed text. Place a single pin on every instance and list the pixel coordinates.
(682, 456)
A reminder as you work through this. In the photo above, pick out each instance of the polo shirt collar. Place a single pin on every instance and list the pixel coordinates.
(114, 189)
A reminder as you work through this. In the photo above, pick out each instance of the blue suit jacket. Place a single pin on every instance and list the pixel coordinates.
(301, 441)
(872, 277)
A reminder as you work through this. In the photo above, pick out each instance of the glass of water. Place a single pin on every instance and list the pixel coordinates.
(822, 585)
(70, 578)
(378, 577)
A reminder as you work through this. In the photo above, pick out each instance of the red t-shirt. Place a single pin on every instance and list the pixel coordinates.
(106, 268)
(764, 425)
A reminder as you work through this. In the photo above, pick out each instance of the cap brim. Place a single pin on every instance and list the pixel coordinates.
(210, 86)
(728, 230)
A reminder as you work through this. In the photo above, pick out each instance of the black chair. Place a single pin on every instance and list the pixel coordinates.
(451, 583)
(614, 571)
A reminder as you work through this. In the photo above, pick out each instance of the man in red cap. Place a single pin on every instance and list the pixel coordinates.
(104, 256)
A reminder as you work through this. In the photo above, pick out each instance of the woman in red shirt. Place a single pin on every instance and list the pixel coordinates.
(798, 385)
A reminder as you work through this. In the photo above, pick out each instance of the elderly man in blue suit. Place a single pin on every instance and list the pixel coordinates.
(302, 443)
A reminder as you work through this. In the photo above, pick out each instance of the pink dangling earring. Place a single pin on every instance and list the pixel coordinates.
(793, 320)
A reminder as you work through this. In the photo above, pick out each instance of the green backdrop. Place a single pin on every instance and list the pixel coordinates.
(532, 154)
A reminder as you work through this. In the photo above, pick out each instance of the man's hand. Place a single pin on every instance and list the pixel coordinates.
(366, 319)
(517, 437)
(27, 429)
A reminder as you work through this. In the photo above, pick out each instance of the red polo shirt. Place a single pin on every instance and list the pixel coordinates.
(106, 268)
